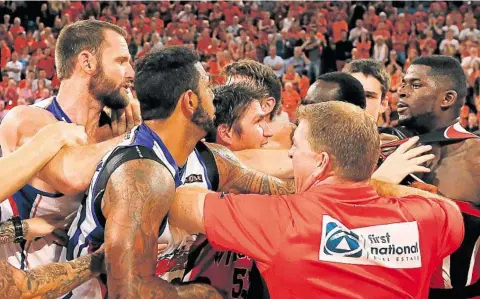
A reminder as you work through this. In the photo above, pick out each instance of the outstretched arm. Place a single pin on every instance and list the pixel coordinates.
(137, 198)
(17, 168)
(48, 281)
(235, 177)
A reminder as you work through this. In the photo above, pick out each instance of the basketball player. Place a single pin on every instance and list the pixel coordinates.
(91, 80)
(162, 154)
(253, 71)
(239, 120)
(433, 90)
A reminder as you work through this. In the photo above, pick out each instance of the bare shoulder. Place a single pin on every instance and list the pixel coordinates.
(472, 155)
(27, 120)
(142, 179)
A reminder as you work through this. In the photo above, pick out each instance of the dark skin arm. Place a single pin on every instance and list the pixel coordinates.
(237, 178)
(48, 281)
(138, 196)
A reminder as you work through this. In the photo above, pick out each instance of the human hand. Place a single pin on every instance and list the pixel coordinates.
(124, 120)
(63, 133)
(403, 161)
(48, 227)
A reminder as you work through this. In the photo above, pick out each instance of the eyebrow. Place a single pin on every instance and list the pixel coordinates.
(371, 94)
(123, 58)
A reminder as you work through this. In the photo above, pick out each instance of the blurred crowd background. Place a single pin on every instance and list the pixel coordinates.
(299, 40)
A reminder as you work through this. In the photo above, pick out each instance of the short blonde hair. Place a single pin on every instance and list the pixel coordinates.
(347, 133)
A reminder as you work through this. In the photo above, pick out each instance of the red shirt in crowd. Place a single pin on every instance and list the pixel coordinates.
(47, 63)
(337, 241)
(5, 54)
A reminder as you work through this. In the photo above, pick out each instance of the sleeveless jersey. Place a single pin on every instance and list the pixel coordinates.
(462, 268)
(29, 202)
(87, 231)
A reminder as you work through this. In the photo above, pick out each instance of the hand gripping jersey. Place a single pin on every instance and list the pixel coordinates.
(29, 202)
(87, 231)
(462, 268)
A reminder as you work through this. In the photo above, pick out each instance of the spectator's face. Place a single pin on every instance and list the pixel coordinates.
(5, 78)
(204, 115)
(307, 164)
(297, 52)
(6, 19)
(419, 94)
(449, 34)
(288, 87)
(11, 83)
(272, 52)
(359, 23)
(373, 95)
(290, 70)
(44, 7)
(235, 20)
(14, 56)
(114, 74)
(42, 74)
(21, 102)
(473, 51)
(472, 120)
(254, 130)
(16, 22)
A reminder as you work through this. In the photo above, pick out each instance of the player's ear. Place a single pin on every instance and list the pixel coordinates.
(88, 62)
(268, 105)
(449, 98)
(383, 105)
(224, 135)
(189, 103)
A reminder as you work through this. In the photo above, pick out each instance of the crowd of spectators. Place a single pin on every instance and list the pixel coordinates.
(299, 40)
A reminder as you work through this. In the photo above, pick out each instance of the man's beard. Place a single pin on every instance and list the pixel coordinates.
(106, 92)
(203, 121)
(419, 123)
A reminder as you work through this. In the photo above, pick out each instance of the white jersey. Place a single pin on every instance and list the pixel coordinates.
(29, 202)
(87, 231)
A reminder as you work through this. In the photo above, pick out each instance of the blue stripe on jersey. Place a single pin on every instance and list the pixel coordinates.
(25, 197)
(146, 137)
(204, 169)
(94, 238)
(57, 111)
(73, 241)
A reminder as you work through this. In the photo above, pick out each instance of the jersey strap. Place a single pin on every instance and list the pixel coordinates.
(117, 158)
(453, 133)
(210, 164)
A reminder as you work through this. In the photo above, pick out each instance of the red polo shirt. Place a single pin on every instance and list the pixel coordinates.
(337, 241)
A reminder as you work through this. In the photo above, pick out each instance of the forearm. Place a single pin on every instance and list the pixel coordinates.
(56, 279)
(21, 165)
(7, 231)
(72, 168)
(237, 178)
(389, 189)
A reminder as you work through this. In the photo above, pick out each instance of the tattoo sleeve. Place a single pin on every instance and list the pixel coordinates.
(137, 198)
(48, 281)
(237, 178)
(7, 231)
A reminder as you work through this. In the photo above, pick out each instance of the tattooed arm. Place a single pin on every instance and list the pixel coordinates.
(137, 198)
(48, 281)
(237, 178)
